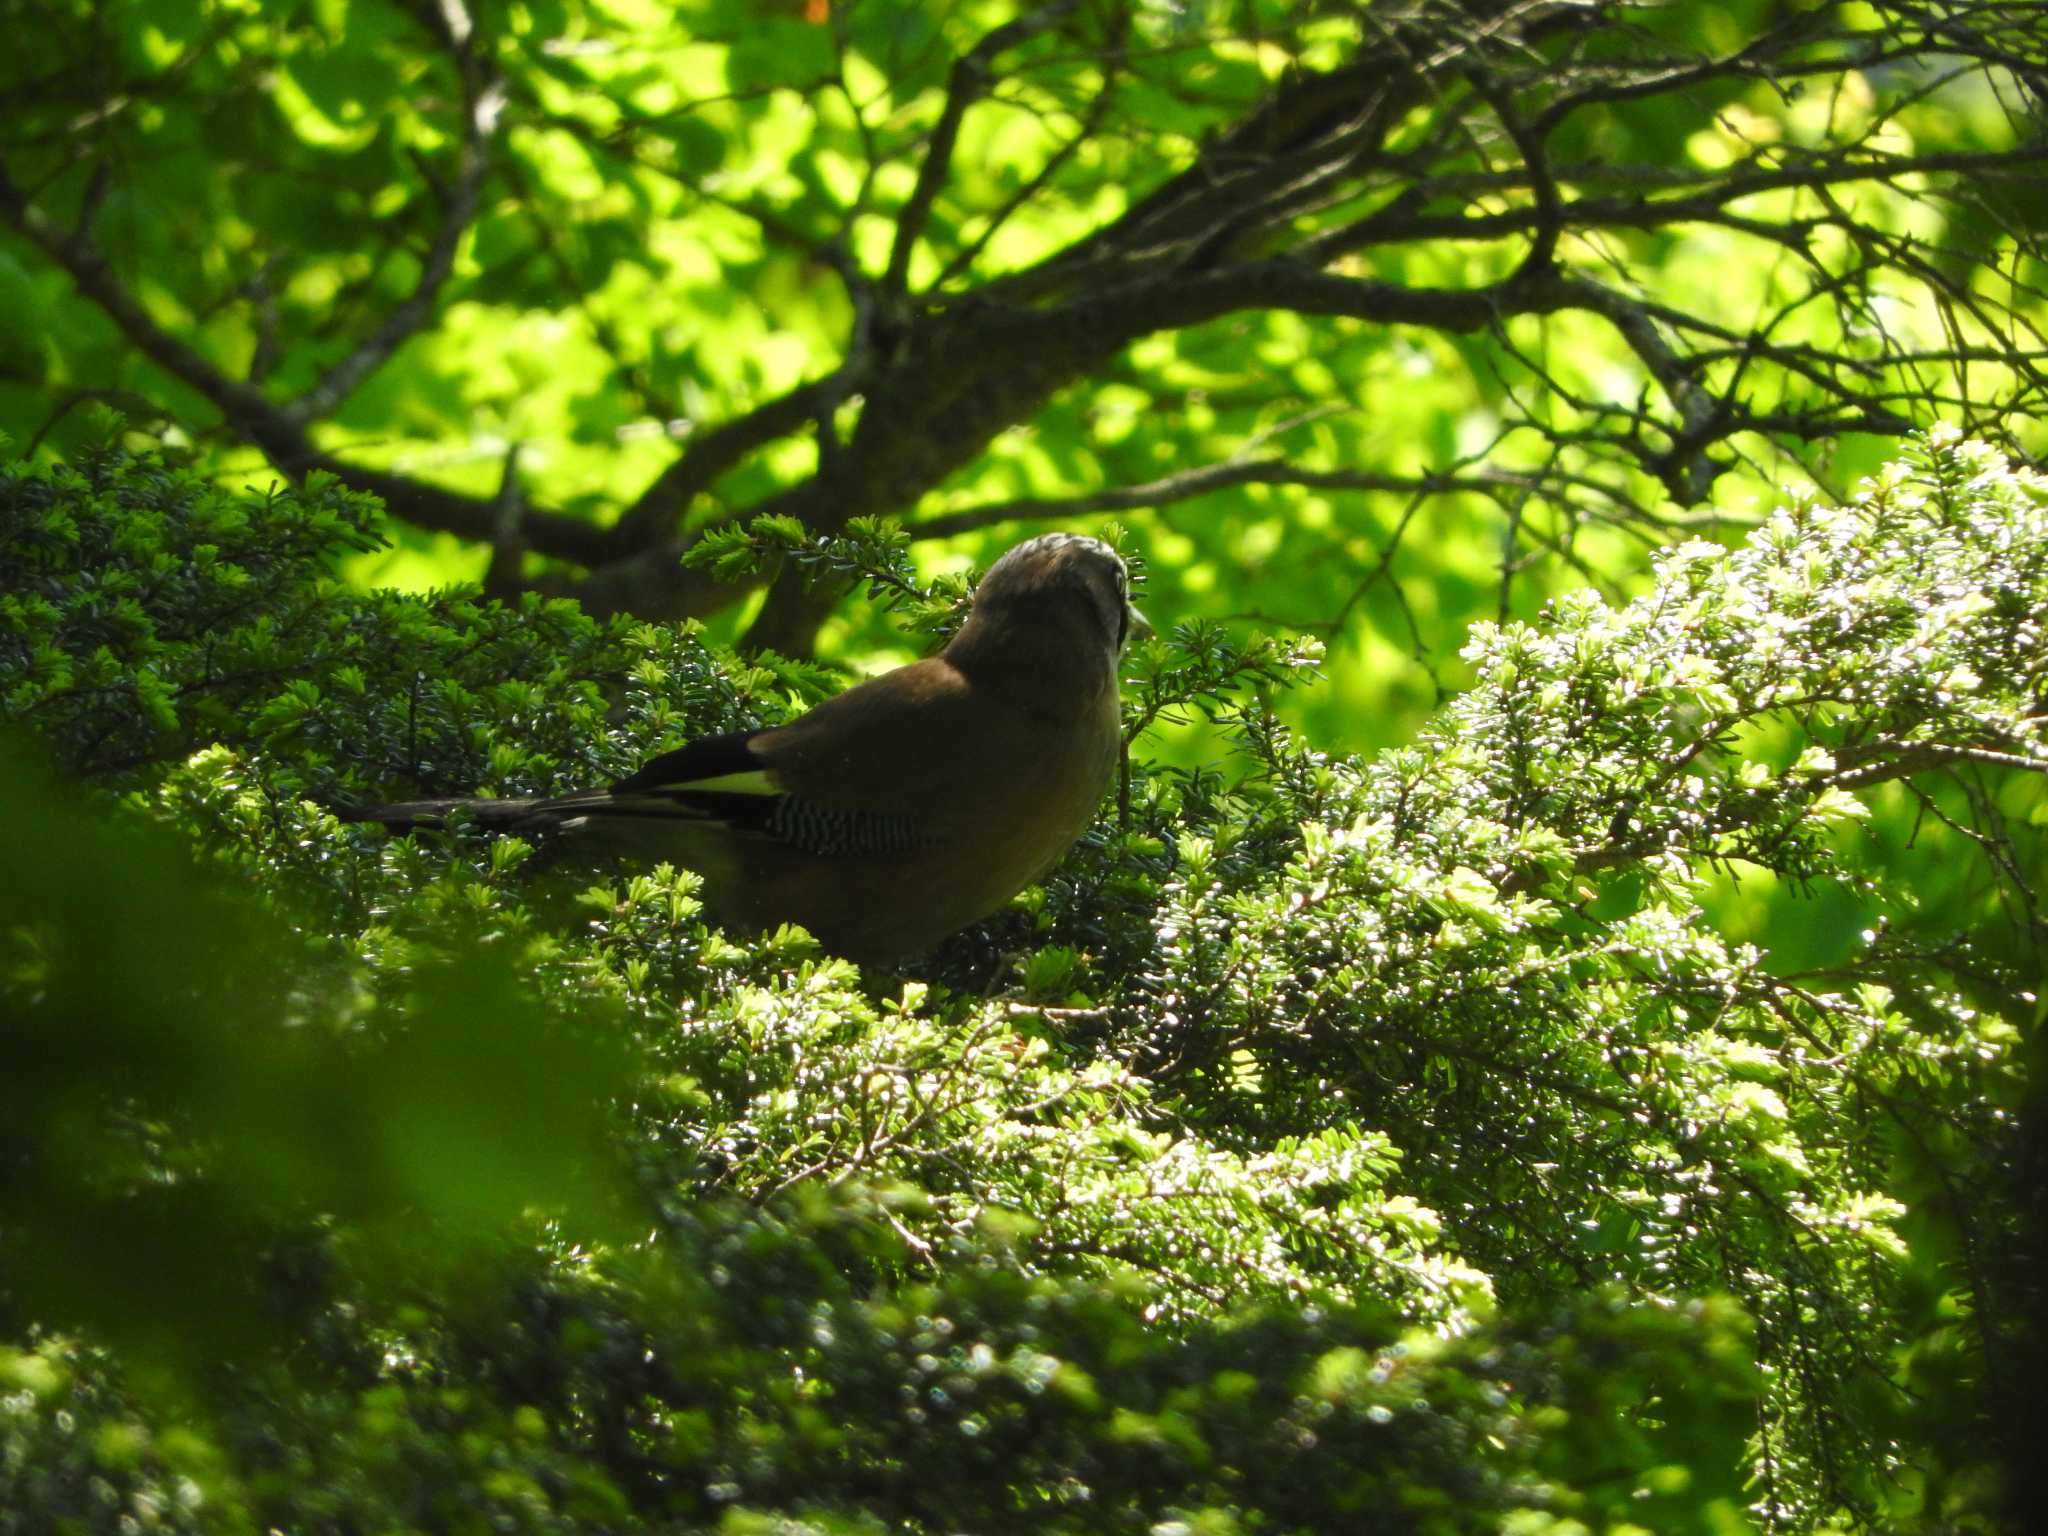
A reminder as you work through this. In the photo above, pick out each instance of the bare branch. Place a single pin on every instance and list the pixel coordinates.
(710, 454)
(1091, 124)
(482, 107)
(1216, 477)
(508, 539)
(251, 413)
(969, 79)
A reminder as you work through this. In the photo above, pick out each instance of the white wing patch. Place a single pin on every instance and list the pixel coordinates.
(755, 782)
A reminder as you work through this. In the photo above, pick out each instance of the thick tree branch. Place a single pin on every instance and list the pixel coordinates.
(1042, 347)
(1444, 122)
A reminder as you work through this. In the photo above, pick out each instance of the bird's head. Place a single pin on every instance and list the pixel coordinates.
(1062, 584)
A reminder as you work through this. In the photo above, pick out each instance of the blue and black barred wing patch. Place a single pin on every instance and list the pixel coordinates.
(834, 832)
(720, 779)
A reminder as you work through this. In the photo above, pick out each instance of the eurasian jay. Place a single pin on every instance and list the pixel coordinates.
(903, 809)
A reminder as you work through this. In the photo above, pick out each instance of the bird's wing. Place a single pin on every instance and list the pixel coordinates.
(724, 764)
(724, 779)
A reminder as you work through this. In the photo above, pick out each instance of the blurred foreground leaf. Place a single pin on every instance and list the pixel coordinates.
(193, 1086)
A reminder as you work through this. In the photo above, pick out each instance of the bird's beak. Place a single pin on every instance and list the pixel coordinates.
(1136, 626)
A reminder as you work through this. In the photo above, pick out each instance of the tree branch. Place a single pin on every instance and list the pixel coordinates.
(1189, 483)
(964, 86)
(711, 454)
(252, 414)
(481, 107)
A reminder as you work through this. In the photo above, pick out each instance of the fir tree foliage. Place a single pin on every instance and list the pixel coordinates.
(1411, 1144)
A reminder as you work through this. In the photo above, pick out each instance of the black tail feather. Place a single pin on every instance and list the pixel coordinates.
(428, 815)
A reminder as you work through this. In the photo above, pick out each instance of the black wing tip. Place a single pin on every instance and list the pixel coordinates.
(708, 757)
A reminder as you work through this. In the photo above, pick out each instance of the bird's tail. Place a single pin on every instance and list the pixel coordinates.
(417, 815)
